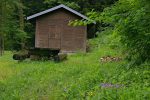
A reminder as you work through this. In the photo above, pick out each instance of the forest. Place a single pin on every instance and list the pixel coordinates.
(115, 67)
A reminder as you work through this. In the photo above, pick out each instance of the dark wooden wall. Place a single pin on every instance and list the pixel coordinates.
(53, 31)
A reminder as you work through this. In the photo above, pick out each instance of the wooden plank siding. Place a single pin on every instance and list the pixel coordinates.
(53, 32)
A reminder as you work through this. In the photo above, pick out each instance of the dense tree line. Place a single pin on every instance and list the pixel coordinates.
(12, 23)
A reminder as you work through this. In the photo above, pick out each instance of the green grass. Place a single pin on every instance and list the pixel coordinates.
(77, 78)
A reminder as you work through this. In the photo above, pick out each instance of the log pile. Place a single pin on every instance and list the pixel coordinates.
(37, 54)
(110, 59)
(42, 54)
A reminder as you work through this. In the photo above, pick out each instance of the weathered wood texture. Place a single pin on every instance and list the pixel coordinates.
(53, 31)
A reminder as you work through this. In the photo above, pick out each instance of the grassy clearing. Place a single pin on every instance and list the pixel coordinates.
(79, 77)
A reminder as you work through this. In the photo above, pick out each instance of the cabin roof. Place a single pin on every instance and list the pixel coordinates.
(55, 8)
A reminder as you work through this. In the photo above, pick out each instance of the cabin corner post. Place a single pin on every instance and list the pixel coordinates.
(85, 39)
(36, 33)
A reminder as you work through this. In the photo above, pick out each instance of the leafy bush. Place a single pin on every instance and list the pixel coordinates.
(130, 20)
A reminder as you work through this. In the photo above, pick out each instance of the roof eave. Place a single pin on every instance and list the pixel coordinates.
(55, 8)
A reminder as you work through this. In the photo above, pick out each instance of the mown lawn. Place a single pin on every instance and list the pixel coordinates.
(78, 78)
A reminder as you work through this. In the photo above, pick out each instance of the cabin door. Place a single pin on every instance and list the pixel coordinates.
(54, 37)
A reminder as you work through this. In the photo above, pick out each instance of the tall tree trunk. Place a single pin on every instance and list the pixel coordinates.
(1, 28)
(21, 22)
(21, 16)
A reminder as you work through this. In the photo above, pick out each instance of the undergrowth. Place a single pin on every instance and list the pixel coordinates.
(80, 77)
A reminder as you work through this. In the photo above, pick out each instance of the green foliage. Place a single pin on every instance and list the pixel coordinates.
(130, 20)
(83, 6)
(92, 19)
(15, 38)
(9, 26)
(71, 4)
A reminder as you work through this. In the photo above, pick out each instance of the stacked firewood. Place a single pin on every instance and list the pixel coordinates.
(110, 59)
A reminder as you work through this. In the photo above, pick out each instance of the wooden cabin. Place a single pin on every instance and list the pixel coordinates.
(53, 31)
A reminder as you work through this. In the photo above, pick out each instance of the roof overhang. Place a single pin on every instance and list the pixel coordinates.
(55, 8)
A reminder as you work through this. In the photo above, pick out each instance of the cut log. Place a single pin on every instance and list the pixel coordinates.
(20, 56)
(60, 57)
